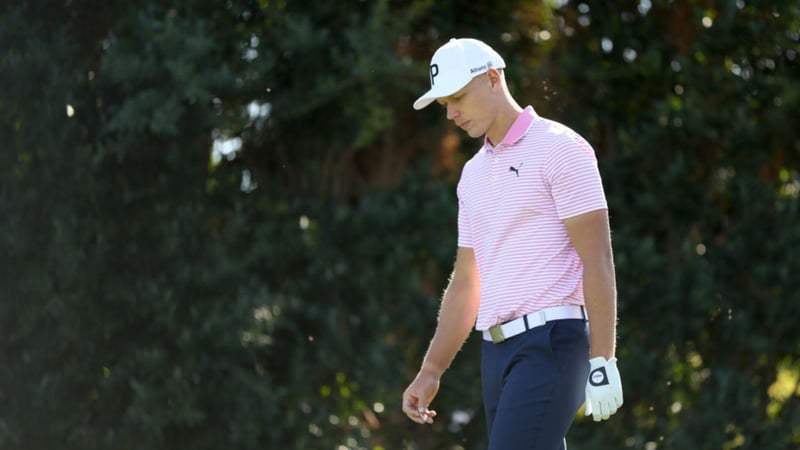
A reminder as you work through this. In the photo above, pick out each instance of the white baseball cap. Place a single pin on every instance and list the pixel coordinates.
(456, 63)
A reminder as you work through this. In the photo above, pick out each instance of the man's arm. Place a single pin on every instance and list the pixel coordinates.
(591, 236)
(457, 316)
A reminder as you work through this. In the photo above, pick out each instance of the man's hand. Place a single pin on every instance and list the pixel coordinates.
(419, 395)
(603, 388)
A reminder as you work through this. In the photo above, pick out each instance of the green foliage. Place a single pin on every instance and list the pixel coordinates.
(694, 132)
(155, 293)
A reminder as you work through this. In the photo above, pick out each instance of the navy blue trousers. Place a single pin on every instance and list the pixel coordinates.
(533, 385)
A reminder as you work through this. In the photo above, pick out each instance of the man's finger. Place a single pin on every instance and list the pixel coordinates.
(426, 415)
(410, 402)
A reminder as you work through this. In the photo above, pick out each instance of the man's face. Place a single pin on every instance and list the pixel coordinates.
(471, 108)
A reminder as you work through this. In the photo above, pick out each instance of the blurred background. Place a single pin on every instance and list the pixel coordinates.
(222, 225)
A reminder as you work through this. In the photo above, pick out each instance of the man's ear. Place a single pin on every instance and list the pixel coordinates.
(494, 77)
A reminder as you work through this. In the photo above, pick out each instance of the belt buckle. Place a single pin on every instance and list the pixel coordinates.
(497, 334)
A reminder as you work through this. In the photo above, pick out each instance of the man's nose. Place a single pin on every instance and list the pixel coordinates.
(452, 112)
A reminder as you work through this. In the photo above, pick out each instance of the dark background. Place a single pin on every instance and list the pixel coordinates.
(222, 225)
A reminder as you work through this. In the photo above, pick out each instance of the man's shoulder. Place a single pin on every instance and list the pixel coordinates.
(544, 128)
(551, 134)
(477, 158)
(473, 166)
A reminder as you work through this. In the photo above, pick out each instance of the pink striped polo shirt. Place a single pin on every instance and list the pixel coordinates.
(513, 199)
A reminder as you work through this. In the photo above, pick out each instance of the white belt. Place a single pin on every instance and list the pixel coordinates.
(500, 333)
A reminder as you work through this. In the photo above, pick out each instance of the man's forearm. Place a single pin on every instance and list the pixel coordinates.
(456, 320)
(601, 306)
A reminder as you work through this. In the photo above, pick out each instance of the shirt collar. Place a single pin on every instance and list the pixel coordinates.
(518, 129)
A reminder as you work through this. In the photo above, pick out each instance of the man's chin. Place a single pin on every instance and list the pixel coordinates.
(473, 133)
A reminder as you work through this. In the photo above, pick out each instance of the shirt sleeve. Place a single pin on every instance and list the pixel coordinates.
(574, 177)
(464, 228)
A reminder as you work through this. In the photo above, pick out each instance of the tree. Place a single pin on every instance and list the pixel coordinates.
(689, 106)
(224, 226)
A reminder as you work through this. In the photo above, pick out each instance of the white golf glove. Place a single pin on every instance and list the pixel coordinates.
(603, 388)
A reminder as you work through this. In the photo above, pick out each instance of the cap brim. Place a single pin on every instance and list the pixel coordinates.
(423, 101)
(430, 96)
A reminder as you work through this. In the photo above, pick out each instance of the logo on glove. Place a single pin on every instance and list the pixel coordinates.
(598, 377)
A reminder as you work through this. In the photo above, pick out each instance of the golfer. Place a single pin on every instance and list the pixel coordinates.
(534, 263)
